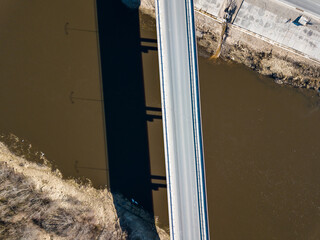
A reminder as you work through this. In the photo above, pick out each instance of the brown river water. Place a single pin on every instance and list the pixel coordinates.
(261, 139)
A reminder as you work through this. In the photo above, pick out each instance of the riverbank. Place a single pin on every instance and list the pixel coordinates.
(220, 38)
(36, 203)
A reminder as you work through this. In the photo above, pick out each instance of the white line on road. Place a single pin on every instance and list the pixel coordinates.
(182, 120)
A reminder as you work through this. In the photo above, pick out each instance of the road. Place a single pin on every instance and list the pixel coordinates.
(311, 6)
(181, 120)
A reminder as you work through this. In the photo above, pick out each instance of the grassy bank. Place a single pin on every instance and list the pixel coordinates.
(36, 203)
(215, 38)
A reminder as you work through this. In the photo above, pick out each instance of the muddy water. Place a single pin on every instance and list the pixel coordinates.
(261, 139)
(155, 134)
(261, 150)
(262, 155)
(50, 94)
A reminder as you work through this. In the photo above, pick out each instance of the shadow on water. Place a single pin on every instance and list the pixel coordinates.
(125, 108)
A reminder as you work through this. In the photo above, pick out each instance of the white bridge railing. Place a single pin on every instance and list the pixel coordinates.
(182, 120)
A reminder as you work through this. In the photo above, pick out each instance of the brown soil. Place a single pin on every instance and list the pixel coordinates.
(215, 39)
(36, 203)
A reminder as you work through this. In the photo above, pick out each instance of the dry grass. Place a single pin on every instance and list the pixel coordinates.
(36, 203)
(285, 66)
(26, 213)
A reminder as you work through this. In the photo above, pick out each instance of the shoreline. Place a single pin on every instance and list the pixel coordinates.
(36, 202)
(217, 38)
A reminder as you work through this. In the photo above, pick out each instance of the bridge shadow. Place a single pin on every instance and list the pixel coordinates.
(125, 106)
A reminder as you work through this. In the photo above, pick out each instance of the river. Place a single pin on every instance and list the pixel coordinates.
(261, 139)
(261, 151)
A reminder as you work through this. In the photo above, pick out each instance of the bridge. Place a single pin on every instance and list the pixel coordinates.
(182, 120)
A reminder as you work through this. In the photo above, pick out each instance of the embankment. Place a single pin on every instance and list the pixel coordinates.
(217, 38)
(36, 203)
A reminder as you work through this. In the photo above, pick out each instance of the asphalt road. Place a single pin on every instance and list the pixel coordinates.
(311, 6)
(181, 120)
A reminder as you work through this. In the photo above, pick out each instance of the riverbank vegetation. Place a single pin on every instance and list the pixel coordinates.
(216, 38)
(36, 203)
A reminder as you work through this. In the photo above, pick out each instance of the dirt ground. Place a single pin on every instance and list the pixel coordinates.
(217, 38)
(36, 203)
